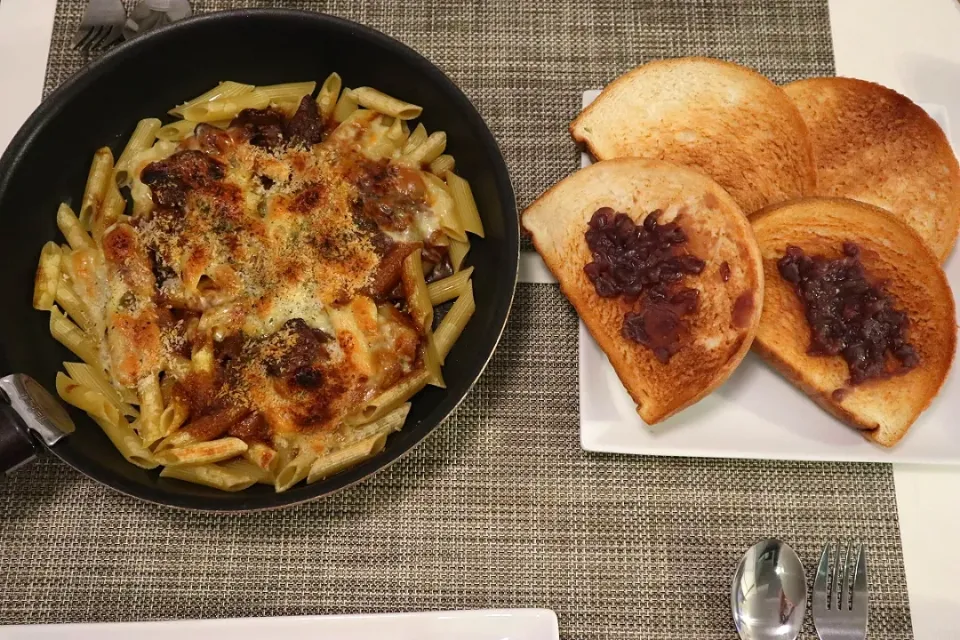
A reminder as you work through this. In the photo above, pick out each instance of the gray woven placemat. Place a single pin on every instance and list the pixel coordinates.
(500, 508)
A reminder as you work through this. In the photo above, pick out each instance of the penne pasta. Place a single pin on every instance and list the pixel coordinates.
(378, 140)
(202, 452)
(335, 462)
(85, 398)
(450, 287)
(179, 438)
(389, 400)
(264, 457)
(442, 164)
(151, 407)
(430, 150)
(328, 94)
(286, 450)
(112, 424)
(287, 106)
(204, 428)
(142, 139)
(432, 362)
(345, 106)
(388, 105)
(247, 469)
(127, 443)
(229, 107)
(226, 109)
(95, 378)
(465, 205)
(389, 423)
(415, 287)
(75, 308)
(458, 253)
(223, 90)
(101, 170)
(173, 416)
(72, 230)
(92, 378)
(176, 131)
(295, 470)
(416, 139)
(397, 133)
(212, 475)
(69, 335)
(287, 91)
(47, 280)
(454, 322)
(441, 201)
(109, 212)
(418, 303)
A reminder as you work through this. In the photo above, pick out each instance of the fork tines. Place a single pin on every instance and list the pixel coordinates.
(101, 26)
(840, 606)
(97, 37)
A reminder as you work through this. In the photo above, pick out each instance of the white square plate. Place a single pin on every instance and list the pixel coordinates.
(756, 413)
(492, 624)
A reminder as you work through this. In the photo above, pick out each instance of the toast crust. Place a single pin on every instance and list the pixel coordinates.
(718, 232)
(890, 251)
(727, 120)
(874, 145)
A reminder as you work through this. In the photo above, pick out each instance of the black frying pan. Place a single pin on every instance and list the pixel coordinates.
(47, 163)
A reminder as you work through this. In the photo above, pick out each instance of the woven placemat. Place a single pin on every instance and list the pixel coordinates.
(500, 508)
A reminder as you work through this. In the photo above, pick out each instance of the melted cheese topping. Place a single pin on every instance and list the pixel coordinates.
(257, 278)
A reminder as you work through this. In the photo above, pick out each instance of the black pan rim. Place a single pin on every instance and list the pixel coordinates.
(61, 96)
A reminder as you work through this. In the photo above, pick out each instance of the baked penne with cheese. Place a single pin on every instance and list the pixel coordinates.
(261, 310)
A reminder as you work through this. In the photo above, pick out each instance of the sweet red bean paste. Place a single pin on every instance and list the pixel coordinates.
(848, 314)
(644, 265)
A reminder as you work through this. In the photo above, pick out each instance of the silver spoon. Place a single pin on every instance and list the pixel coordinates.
(769, 593)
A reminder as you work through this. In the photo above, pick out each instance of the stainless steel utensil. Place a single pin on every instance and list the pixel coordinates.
(148, 15)
(769, 593)
(840, 602)
(102, 25)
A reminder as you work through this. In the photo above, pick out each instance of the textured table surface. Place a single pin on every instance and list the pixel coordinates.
(500, 507)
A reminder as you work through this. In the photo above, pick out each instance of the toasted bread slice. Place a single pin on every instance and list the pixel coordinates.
(727, 120)
(730, 285)
(876, 146)
(890, 251)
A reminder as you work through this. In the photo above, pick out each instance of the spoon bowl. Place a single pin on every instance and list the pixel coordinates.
(769, 593)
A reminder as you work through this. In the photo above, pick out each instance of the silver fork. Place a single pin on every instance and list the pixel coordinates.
(840, 606)
(102, 25)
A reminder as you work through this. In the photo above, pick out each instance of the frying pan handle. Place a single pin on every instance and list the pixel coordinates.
(27, 413)
(17, 447)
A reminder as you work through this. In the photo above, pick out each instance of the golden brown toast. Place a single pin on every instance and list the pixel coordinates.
(730, 285)
(876, 146)
(890, 251)
(727, 120)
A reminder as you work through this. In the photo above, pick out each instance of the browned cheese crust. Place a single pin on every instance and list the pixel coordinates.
(263, 281)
